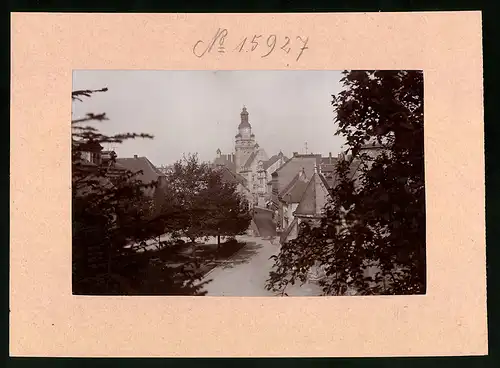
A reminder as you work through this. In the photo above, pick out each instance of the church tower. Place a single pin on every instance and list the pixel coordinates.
(244, 141)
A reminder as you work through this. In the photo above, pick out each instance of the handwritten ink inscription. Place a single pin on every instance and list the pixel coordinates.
(263, 44)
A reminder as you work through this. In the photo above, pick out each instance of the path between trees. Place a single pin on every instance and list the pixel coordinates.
(246, 272)
(264, 221)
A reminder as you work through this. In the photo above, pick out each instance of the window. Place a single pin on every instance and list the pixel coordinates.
(94, 158)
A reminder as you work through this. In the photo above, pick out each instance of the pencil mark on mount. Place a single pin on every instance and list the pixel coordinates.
(264, 44)
(219, 36)
(273, 37)
(287, 41)
(304, 47)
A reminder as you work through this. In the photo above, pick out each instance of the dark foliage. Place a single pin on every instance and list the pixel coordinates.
(116, 250)
(372, 237)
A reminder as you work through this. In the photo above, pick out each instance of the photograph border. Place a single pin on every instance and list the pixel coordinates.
(292, 354)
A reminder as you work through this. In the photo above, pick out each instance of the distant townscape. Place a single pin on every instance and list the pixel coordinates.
(256, 223)
(281, 191)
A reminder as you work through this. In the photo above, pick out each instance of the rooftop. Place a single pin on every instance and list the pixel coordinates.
(230, 176)
(315, 197)
(224, 160)
(135, 164)
(267, 164)
(286, 173)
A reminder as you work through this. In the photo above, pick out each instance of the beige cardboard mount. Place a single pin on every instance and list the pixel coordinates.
(46, 320)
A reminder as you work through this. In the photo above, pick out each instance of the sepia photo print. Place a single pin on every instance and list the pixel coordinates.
(248, 183)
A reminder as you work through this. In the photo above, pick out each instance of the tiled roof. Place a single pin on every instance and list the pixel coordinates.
(250, 159)
(327, 167)
(289, 186)
(269, 162)
(331, 181)
(330, 174)
(324, 183)
(285, 174)
(272, 161)
(309, 159)
(223, 161)
(292, 193)
(119, 166)
(296, 193)
(315, 197)
(232, 177)
(135, 164)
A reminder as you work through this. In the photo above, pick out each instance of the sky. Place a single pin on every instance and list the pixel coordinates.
(199, 111)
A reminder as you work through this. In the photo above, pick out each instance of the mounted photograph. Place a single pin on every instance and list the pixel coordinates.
(248, 183)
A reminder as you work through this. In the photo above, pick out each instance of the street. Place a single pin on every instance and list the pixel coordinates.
(245, 274)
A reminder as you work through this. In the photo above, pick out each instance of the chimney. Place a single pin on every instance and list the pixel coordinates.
(135, 156)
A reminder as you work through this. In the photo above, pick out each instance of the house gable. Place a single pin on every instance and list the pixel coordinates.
(293, 192)
(285, 174)
(149, 173)
(135, 164)
(314, 199)
(230, 176)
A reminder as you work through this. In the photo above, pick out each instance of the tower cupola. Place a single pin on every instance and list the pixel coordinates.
(244, 119)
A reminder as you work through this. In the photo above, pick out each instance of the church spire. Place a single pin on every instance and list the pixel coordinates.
(244, 119)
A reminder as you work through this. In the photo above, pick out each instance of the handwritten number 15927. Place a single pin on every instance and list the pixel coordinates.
(251, 44)
(271, 42)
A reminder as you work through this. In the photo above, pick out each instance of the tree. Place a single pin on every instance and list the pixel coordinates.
(212, 207)
(113, 221)
(184, 186)
(228, 213)
(372, 237)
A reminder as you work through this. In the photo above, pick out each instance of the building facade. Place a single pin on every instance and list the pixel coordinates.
(251, 162)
